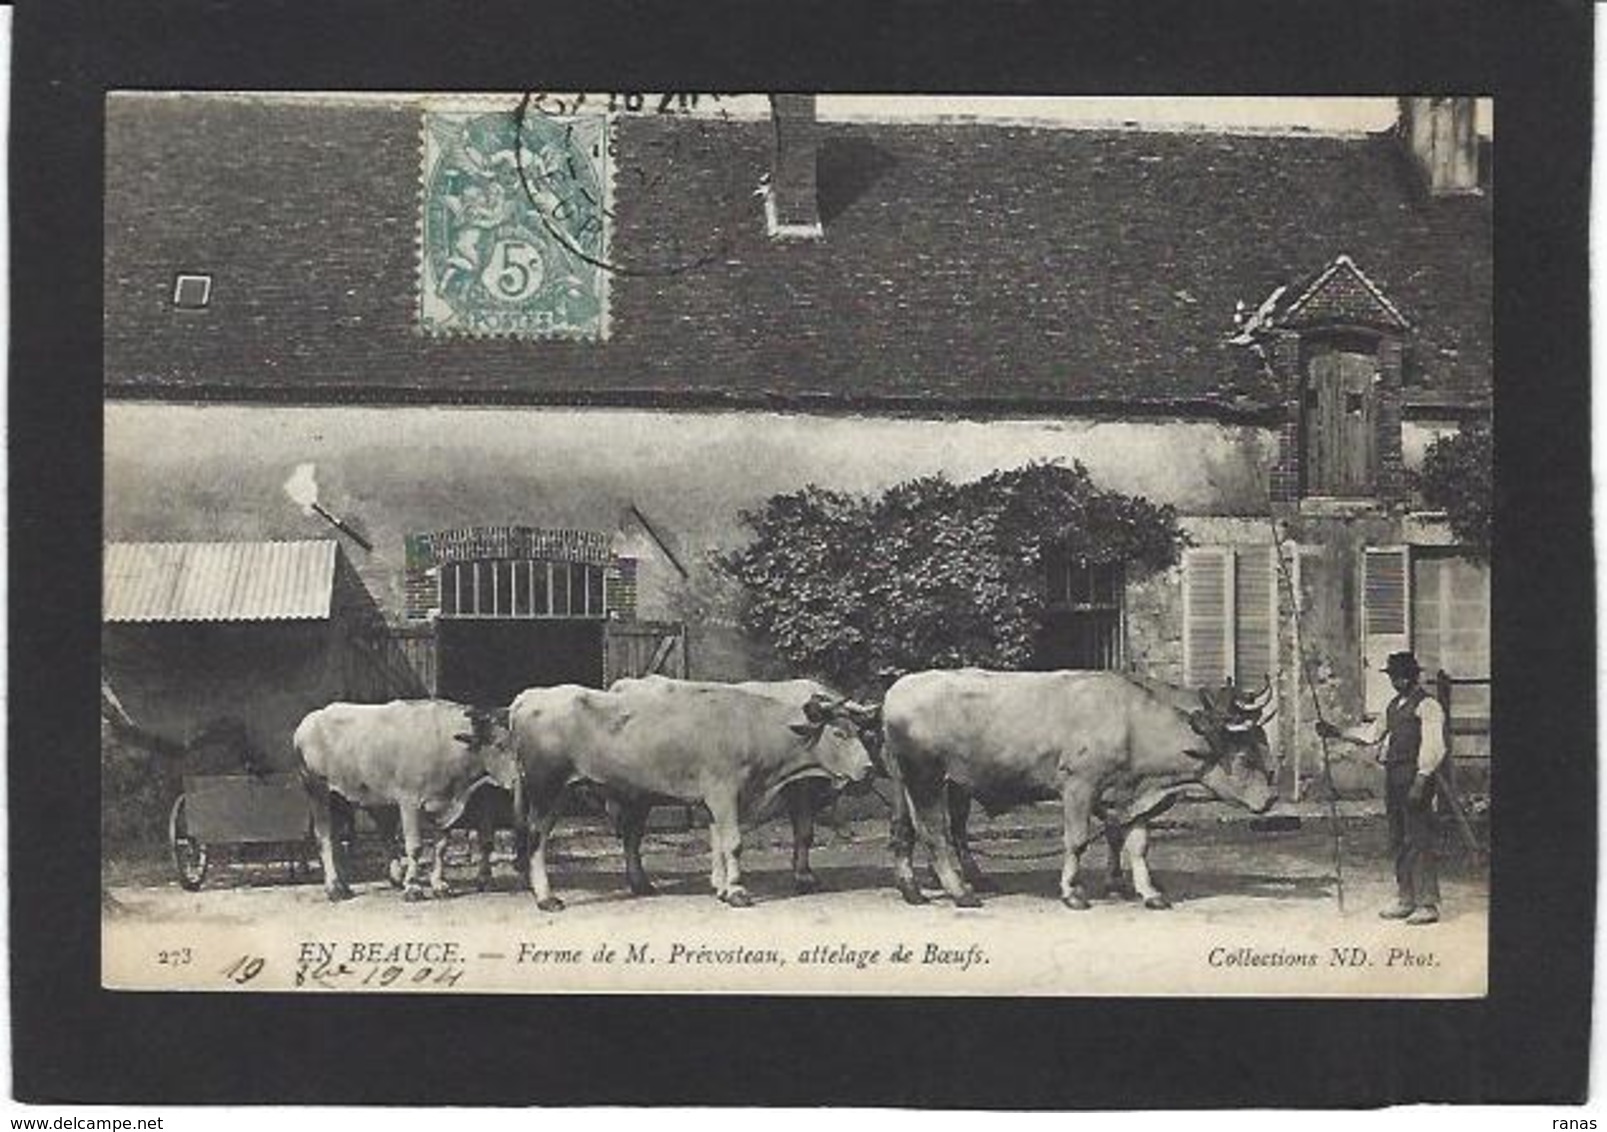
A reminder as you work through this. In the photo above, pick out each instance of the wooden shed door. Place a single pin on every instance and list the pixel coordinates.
(1339, 425)
(643, 648)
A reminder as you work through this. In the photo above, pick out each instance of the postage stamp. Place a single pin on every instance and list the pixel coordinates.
(515, 223)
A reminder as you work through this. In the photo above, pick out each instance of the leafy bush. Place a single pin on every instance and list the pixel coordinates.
(932, 574)
(1458, 477)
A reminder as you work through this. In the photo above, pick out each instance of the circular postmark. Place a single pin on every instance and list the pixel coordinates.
(690, 130)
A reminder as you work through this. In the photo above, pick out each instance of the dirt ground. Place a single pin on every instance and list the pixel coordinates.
(1252, 906)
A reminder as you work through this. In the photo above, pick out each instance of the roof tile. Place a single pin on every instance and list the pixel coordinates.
(961, 262)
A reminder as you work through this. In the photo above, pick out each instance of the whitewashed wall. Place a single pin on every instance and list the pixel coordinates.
(215, 472)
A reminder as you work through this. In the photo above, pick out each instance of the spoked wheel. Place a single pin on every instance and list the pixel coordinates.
(189, 854)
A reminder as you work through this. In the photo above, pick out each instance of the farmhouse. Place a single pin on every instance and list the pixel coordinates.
(1264, 329)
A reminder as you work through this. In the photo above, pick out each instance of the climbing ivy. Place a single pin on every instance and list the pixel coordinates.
(859, 590)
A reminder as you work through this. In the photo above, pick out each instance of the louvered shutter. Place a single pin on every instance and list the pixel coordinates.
(1386, 603)
(1208, 620)
(1255, 654)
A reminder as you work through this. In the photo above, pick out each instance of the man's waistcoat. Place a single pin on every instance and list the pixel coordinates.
(1405, 728)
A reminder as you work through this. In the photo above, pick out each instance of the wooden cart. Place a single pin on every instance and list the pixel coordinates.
(236, 819)
(211, 656)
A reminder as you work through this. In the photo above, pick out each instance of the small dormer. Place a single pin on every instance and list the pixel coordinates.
(1342, 296)
(1336, 345)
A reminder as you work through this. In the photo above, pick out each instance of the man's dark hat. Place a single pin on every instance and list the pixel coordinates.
(1402, 664)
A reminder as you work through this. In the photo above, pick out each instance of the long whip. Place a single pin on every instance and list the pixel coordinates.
(1316, 703)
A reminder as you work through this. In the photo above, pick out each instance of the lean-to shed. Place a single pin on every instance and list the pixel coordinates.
(223, 647)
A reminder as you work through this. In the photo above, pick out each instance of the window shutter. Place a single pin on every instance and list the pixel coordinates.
(1386, 603)
(1207, 615)
(1256, 652)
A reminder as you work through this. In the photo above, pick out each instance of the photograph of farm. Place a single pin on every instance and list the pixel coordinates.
(1182, 407)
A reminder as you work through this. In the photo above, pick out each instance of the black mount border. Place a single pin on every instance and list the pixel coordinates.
(1528, 1042)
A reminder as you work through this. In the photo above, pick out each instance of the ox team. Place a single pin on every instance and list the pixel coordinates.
(1107, 746)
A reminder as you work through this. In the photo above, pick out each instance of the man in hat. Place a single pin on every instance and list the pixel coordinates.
(1412, 733)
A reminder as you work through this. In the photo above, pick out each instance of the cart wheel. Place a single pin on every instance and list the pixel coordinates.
(189, 855)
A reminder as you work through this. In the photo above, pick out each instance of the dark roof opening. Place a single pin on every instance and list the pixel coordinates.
(192, 292)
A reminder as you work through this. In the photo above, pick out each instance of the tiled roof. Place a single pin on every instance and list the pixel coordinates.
(217, 581)
(967, 263)
(1342, 293)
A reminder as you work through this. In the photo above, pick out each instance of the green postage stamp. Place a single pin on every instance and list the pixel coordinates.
(516, 222)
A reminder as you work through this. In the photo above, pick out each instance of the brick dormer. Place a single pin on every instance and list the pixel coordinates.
(1336, 346)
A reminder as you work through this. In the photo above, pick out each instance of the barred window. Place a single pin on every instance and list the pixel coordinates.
(522, 589)
(1083, 613)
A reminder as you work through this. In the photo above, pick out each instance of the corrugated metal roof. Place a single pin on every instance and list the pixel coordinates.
(217, 581)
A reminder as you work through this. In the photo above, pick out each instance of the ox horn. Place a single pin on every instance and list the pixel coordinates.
(866, 715)
(1257, 702)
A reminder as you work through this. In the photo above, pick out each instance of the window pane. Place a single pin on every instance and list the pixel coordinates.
(521, 589)
(542, 578)
(449, 590)
(504, 589)
(577, 591)
(1091, 640)
(560, 589)
(594, 590)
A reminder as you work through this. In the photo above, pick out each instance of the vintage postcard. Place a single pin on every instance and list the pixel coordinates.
(793, 544)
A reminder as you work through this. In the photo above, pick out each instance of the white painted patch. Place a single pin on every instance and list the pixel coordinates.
(1416, 436)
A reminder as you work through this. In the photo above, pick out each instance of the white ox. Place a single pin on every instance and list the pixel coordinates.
(801, 797)
(419, 756)
(658, 741)
(1103, 744)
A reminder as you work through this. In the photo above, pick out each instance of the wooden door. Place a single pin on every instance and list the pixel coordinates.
(645, 648)
(1340, 425)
